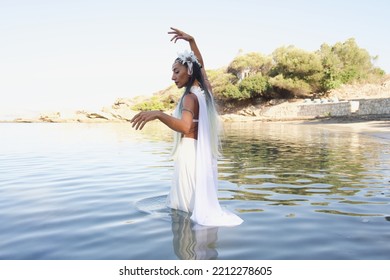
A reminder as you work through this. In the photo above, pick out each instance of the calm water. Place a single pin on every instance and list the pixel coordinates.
(97, 191)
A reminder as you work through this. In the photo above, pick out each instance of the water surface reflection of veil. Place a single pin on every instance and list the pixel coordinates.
(191, 241)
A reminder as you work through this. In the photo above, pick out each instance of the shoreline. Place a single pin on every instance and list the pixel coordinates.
(360, 124)
(349, 103)
(378, 128)
(373, 125)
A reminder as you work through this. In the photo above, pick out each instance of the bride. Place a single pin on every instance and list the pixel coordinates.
(196, 149)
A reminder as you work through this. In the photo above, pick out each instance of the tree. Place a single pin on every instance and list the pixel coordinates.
(250, 63)
(295, 67)
(345, 63)
(254, 86)
(289, 72)
(290, 86)
(223, 84)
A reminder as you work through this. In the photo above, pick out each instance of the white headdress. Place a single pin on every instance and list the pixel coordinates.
(188, 58)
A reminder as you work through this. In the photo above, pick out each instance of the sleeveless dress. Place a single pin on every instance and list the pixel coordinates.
(195, 183)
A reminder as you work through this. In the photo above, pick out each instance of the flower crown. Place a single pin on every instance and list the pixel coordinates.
(188, 58)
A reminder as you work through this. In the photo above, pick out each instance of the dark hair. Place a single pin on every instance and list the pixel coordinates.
(211, 108)
(197, 75)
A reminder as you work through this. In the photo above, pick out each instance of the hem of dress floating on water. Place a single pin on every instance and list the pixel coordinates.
(230, 220)
(199, 225)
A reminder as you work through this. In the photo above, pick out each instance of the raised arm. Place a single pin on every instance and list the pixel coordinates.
(180, 35)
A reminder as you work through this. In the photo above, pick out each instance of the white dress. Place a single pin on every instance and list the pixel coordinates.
(195, 182)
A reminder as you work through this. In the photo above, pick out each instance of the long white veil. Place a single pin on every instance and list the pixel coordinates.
(207, 210)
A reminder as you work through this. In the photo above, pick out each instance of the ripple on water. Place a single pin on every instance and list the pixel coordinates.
(98, 192)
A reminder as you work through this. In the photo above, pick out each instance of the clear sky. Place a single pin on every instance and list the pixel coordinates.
(75, 54)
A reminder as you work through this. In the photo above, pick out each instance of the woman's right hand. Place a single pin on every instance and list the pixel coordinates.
(142, 118)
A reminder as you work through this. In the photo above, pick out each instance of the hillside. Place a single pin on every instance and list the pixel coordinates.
(253, 83)
(166, 99)
(255, 109)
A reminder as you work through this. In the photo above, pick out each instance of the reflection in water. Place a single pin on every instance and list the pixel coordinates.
(191, 242)
(296, 165)
(304, 193)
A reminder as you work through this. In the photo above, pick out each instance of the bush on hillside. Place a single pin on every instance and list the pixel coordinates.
(288, 72)
(294, 68)
(254, 86)
(249, 63)
(287, 87)
(345, 63)
(163, 100)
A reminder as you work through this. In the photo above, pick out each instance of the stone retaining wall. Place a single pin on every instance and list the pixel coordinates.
(374, 106)
(324, 110)
(361, 107)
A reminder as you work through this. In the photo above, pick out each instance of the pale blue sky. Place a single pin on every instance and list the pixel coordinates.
(84, 54)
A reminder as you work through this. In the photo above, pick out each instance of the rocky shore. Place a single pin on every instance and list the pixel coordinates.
(350, 102)
(120, 111)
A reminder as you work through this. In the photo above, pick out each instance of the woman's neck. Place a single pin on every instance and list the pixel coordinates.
(196, 84)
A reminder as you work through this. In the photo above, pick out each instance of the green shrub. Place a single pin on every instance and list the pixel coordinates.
(223, 84)
(297, 68)
(289, 72)
(251, 62)
(254, 86)
(346, 63)
(232, 92)
(292, 87)
(151, 104)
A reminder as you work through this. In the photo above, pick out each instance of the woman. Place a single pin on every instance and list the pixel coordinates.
(196, 148)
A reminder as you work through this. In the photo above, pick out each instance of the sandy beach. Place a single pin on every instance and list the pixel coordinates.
(379, 127)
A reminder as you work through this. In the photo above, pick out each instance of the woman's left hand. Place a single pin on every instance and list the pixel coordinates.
(142, 118)
(178, 34)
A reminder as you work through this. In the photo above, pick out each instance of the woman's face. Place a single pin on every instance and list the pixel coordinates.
(180, 74)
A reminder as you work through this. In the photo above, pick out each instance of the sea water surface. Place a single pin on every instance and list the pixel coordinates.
(97, 191)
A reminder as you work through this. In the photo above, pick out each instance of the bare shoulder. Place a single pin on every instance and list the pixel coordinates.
(190, 98)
